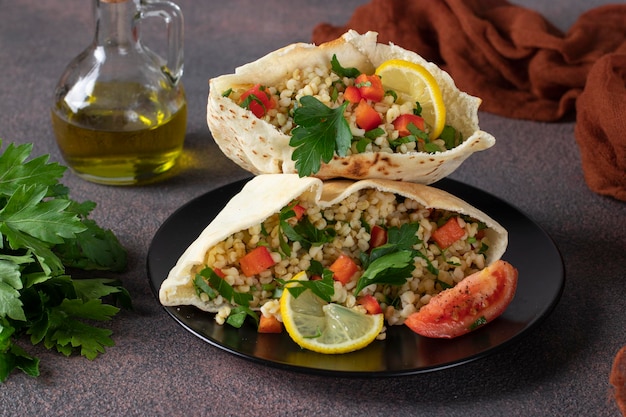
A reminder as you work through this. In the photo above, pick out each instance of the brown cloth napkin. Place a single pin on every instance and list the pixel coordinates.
(521, 66)
(618, 379)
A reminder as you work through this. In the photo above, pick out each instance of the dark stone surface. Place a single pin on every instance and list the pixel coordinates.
(157, 368)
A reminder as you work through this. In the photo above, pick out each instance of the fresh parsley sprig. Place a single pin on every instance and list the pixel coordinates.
(42, 234)
(320, 133)
(393, 262)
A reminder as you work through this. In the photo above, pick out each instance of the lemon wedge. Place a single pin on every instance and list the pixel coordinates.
(418, 83)
(325, 327)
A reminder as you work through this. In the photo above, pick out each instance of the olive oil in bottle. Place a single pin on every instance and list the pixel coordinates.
(119, 113)
(117, 141)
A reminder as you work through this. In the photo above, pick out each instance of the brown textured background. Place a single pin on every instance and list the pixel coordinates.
(157, 368)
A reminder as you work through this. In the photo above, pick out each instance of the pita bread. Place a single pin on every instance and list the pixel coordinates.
(265, 195)
(261, 148)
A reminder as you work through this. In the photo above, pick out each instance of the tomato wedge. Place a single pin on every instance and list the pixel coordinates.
(256, 261)
(370, 87)
(366, 117)
(473, 302)
(401, 123)
(258, 100)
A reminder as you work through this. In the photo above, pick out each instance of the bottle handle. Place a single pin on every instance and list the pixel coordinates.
(173, 16)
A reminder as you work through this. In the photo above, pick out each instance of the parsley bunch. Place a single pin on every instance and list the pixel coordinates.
(43, 232)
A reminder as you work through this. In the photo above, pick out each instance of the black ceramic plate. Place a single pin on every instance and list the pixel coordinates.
(531, 250)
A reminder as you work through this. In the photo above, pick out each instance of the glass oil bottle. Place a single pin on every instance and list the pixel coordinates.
(119, 113)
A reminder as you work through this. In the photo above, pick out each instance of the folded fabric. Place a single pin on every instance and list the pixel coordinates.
(618, 379)
(601, 126)
(521, 66)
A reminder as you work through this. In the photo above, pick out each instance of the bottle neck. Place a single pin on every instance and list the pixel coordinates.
(115, 23)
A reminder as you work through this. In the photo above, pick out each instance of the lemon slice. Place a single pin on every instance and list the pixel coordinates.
(419, 84)
(325, 327)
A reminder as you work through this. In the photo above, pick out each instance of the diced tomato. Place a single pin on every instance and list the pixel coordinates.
(269, 324)
(370, 303)
(219, 272)
(378, 237)
(473, 302)
(366, 117)
(256, 261)
(401, 123)
(352, 94)
(299, 210)
(260, 100)
(370, 87)
(343, 268)
(449, 233)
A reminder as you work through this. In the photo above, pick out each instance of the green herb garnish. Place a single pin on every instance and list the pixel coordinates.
(253, 98)
(450, 137)
(369, 137)
(324, 288)
(208, 282)
(393, 262)
(361, 144)
(43, 232)
(374, 133)
(320, 133)
(336, 67)
(415, 136)
(444, 285)
(303, 231)
(479, 322)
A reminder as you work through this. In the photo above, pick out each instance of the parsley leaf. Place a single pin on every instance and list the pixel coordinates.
(65, 329)
(417, 135)
(208, 282)
(336, 67)
(224, 289)
(324, 288)
(393, 262)
(429, 266)
(307, 234)
(393, 268)
(450, 137)
(481, 321)
(320, 133)
(43, 232)
(94, 248)
(14, 171)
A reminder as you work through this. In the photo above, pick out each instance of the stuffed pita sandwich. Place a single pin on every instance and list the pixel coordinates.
(351, 108)
(397, 243)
